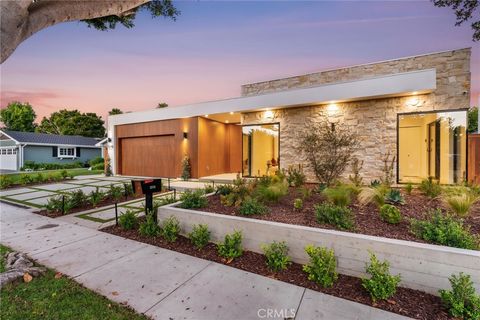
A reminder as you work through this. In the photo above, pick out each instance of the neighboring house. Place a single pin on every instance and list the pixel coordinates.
(413, 108)
(18, 147)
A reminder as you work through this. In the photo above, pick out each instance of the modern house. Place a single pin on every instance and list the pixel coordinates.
(413, 108)
(18, 147)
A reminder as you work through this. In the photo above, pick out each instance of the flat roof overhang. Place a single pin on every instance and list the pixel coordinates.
(393, 85)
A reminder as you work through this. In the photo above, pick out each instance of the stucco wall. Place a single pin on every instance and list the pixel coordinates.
(374, 121)
(43, 154)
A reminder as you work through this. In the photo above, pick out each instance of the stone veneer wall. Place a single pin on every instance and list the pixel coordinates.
(375, 121)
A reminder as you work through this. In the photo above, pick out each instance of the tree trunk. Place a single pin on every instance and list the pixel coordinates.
(21, 18)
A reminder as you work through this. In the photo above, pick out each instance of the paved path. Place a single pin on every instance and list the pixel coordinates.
(165, 284)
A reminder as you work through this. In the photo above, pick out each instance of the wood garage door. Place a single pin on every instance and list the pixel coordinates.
(148, 156)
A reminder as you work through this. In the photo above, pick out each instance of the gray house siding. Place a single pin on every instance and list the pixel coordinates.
(44, 154)
(7, 143)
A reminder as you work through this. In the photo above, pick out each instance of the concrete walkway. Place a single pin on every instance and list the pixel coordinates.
(165, 284)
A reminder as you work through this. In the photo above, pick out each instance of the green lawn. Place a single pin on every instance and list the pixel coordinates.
(15, 178)
(48, 298)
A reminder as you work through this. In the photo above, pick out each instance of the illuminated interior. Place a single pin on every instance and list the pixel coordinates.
(260, 154)
(432, 145)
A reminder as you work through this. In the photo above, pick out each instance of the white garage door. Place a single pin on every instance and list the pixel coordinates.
(8, 158)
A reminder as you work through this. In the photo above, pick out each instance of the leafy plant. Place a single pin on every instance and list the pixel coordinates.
(276, 255)
(77, 198)
(462, 204)
(231, 247)
(305, 192)
(223, 189)
(340, 195)
(128, 220)
(240, 190)
(251, 206)
(381, 285)
(186, 168)
(341, 217)
(298, 204)
(40, 178)
(272, 192)
(170, 229)
(430, 188)
(390, 214)
(128, 189)
(409, 188)
(328, 148)
(393, 196)
(357, 166)
(115, 192)
(55, 204)
(295, 176)
(388, 165)
(164, 201)
(322, 266)
(461, 301)
(209, 188)
(374, 195)
(5, 181)
(149, 227)
(193, 199)
(26, 179)
(96, 196)
(200, 235)
(444, 229)
(64, 174)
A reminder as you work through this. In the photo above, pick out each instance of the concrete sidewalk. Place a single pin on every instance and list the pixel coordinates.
(165, 284)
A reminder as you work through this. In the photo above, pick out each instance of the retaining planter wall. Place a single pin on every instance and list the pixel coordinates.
(423, 266)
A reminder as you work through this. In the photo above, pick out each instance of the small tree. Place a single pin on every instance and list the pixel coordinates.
(18, 116)
(186, 168)
(388, 165)
(473, 120)
(328, 148)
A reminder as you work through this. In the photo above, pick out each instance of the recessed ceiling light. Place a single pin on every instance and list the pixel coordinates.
(206, 116)
(227, 121)
(231, 112)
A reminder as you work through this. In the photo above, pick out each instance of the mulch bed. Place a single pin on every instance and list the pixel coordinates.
(407, 302)
(104, 203)
(367, 218)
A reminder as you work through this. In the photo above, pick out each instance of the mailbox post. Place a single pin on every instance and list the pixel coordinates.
(149, 187)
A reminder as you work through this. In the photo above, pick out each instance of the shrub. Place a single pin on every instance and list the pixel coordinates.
(340, 217)
(461, 301)
(51, 166)
(430, 188)
(164, 201)
(393, 196)
(96, 196)
(409, 188)
(251, 206)
(390, 214)
(328, 148)
(170, 229)
(339, 196)
(54, 204)
(95, 161)
(272, 192)
(149, 227)
(40, 178)
(305, 192)
(77, 198)
(98, 166)
(5, 181)
(26, 179)
(295, 176)
(240, 190)
(209, 188)
(322, 266)
(115, 192)
(276, 255)
(381, 285)
(54, 177)
(445, 230)
(128, 189)
(64, 174)
(200, 235)
(298, 204)
(193, 199)
(231, 247)
(356, 178)
(186, 168)
(374, 195)
(461, 204)
(224, 189)
(128, 220)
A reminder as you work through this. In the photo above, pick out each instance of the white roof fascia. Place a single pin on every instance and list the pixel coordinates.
(3, 132)
(421, 81)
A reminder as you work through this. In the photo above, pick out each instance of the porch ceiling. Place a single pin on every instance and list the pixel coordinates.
(399, 84)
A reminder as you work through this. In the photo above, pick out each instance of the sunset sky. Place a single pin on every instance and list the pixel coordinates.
(214, 47)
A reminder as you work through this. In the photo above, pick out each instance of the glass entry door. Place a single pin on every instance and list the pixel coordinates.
(260, 149)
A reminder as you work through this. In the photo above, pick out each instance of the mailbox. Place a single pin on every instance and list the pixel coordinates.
(149, 186)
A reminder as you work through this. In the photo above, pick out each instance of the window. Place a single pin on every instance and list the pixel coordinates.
(66, 152)
(260, 149)
(433, 145)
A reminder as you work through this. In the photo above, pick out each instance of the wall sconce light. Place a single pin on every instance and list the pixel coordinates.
(332, 109)
(414, 102)
(185, 135)
(268, 114)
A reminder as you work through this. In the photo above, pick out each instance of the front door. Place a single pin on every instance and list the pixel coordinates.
(410, 153)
